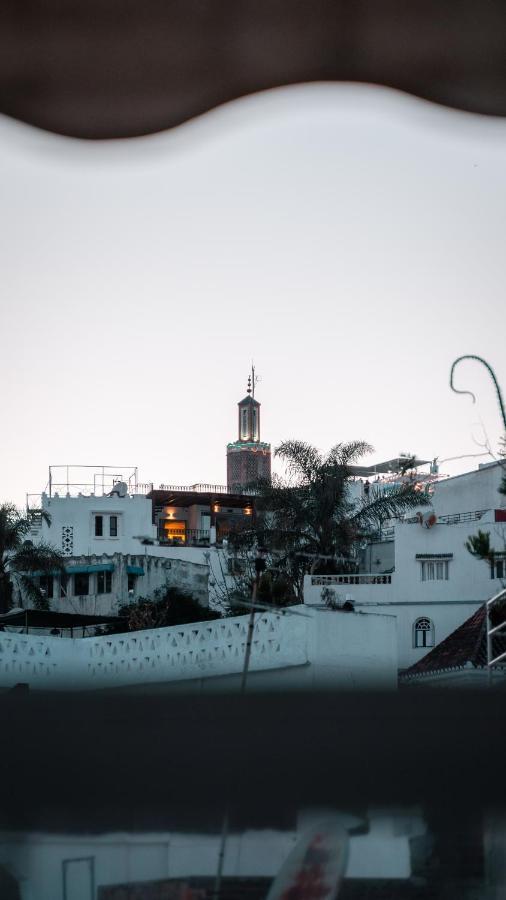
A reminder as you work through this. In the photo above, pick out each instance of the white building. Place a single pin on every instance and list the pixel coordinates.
(300, 649)
(421, 572)
(43, 863)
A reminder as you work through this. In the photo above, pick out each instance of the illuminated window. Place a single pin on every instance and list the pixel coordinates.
(174, 530)
(244, 426)
(423, 633)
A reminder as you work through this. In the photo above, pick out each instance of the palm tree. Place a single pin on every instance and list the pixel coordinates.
(308, 518)
(21, 561)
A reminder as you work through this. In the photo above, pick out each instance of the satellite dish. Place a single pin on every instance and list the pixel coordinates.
(316, 865)
(120, 489)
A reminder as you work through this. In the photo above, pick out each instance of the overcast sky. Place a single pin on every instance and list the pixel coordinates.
(349, 239)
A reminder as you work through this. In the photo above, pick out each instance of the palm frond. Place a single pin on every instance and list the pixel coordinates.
(383, 505)
(348, 453)
(302, 460)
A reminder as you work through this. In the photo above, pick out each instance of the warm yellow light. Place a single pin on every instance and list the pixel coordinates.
(248, 511)
(216, 507)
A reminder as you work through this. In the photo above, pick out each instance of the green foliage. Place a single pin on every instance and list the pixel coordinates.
(307, 519)
(478, 545)
(20, 558)
(171, 606)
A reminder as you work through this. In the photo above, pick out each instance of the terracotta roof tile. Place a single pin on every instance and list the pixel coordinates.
(467, 644)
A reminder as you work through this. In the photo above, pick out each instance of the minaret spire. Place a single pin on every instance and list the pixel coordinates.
(248, 458)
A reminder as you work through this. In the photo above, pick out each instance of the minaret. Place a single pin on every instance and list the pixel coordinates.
(248, 458)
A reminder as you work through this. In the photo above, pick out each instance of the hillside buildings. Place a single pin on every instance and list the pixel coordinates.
(124, 540)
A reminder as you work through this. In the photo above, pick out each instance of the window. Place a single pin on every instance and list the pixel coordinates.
(113, 526)
(132, 581)
(497, 568)
(244, 426)
(99, 526)
(423, 633)
(46, 586)
(435, 570)
(104, 582)
(81, 584)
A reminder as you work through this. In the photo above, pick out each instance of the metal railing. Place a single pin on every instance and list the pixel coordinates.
(186, 537)
(457, 518)
(201, 488)
(325, 580)
(494, 631)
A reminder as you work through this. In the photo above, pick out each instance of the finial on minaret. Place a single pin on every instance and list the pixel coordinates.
(249, 384)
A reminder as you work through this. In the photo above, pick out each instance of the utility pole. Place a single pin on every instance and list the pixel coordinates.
(259, 568)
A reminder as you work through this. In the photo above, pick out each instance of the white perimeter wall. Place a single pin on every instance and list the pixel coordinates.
(36, 859)
(306, 647)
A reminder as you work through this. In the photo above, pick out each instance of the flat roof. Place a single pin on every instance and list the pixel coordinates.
(198, 498)
(389, 466)
(40, 618)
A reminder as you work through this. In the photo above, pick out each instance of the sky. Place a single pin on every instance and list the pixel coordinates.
(349, 239)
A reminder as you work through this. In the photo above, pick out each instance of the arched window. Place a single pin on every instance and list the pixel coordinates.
(423, 632)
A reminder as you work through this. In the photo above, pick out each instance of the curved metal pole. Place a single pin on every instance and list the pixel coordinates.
(492, 375)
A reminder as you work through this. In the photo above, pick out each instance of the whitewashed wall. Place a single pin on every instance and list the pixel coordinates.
(306, 648)
(404, 595)
(36, 859)
(470, 491)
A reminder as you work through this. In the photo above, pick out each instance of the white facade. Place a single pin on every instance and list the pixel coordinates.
(304, 648)
(37, 860)
(115, 532)
(436, 583)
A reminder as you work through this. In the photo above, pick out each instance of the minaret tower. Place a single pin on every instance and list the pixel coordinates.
(248, 458)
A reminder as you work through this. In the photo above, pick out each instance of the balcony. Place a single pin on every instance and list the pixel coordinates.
(458, 518)
(187, 537)
(331, 580)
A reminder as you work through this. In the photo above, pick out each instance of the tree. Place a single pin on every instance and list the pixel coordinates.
(308, 519)
(169, 606)
(478, 545)
(22, 561)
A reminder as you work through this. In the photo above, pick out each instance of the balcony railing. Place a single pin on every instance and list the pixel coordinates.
(457, 518)
(189, 537)
(201, 488)
(325, 580)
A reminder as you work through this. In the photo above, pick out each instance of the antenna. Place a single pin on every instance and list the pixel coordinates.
(253, 380)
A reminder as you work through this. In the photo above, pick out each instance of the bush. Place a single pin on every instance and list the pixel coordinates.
(172, 606)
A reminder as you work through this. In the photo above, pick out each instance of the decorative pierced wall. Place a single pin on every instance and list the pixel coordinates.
(67, 540)
(178, 653)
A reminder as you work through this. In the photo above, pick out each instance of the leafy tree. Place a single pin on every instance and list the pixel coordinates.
(478, 545)
(308, 520)
(170, 606)
(21, 561)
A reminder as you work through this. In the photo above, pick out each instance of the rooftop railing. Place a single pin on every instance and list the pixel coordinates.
(201, 488)
(457, 518)
(326, 580)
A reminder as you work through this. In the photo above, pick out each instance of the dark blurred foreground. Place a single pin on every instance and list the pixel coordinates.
(96, 762)
(119, 68)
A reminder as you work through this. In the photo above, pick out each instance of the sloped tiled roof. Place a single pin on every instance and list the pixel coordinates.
(466, 645)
